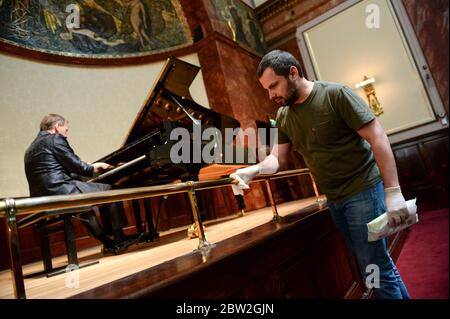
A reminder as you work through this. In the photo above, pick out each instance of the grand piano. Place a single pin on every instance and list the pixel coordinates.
(145, 159)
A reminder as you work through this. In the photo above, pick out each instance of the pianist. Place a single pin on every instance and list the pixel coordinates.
(52, 168)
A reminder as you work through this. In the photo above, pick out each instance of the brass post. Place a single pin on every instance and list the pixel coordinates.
(202, 242)
(14, 250)
(276, 217)
(316, 192)
(319, 201)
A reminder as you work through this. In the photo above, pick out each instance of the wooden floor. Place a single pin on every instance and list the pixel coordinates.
(172, 244)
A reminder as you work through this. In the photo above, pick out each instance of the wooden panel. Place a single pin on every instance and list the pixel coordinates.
(422, 165)
(304, 257)
(178, 210)
(4, 259)
(217, 203)
(297, 274)
(411, 171)
(336, 275)
(435, 153)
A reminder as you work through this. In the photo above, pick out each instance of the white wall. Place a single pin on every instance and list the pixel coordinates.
(99, 102)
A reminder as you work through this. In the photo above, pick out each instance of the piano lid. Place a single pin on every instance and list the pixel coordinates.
(170, 89)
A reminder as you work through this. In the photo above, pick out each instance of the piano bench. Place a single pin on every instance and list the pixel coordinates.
(53, 222)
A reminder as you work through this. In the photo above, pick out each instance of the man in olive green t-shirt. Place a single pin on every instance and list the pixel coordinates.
(323, 129)
(348, 154)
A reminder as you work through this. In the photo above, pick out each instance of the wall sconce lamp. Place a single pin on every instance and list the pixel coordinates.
(369, 89)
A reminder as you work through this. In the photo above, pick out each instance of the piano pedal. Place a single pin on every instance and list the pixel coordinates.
(193, 231)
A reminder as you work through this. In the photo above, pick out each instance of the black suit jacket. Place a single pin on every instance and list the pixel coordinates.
(50, 163)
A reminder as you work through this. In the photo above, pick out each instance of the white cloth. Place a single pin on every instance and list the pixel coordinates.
(244, 176)
(395, 205)
(379, 227)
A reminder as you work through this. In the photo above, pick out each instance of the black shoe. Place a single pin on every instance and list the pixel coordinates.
(128, 241)
(109, 250)
(109, 247)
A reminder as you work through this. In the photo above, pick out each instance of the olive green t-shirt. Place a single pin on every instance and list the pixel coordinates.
(323, 130)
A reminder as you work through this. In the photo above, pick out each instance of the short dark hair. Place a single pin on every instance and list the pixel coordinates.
(50, 120)
(281, 62)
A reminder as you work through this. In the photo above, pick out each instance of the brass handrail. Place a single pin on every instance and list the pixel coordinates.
(25, 206)
(10, 208)
(35, 204)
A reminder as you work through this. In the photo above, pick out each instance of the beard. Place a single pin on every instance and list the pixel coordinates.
(292, 95)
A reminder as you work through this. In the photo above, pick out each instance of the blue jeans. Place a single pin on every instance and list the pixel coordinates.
(351, 217)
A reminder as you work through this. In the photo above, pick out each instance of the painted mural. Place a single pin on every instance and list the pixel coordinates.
(94, 28)
(242, 23)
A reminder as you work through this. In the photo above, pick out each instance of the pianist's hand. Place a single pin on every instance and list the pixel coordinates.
(244, 176)
(100, 167)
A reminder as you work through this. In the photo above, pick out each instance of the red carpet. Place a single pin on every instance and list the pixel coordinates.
(423, 261)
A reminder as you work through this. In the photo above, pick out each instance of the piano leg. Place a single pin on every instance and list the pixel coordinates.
(137, 216)
(152, 233)
(240, 204)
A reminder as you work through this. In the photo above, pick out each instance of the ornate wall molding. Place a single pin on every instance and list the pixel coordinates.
(272, 8)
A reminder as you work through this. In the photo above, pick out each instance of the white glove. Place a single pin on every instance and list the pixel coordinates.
(397, 210)
(244, 176)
